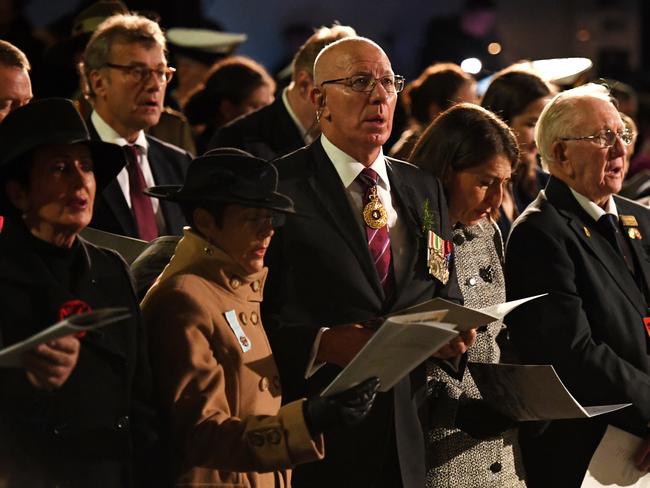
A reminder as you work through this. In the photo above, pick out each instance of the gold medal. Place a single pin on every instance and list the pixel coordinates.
(438, 267)
(374, 213)
(634, 233)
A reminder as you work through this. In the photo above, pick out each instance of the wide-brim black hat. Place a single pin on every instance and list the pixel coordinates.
(228, 175)
(54, 121)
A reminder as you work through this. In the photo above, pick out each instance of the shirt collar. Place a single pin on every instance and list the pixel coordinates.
(348, 168)
(294, 117)
(594, 211)
(108, 134)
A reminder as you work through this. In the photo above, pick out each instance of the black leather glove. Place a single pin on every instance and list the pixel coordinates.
(478, 419)
(341, 410)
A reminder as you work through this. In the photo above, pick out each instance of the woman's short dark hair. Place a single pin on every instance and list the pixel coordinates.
(232, 79)
(463, 137)
(510, 92)
(216, 209)
(437, 84)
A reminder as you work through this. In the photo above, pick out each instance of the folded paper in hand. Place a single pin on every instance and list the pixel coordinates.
(10, 357)
(408, 338)
(530, 392)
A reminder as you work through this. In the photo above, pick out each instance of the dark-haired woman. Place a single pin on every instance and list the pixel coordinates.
(473, 153)
(233, 87)
(439, 87)
(67, 419)
(518, 97)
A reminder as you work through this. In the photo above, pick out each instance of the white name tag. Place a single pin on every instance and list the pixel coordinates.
(244, 342)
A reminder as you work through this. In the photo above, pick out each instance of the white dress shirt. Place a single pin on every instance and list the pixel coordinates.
(108, 134)
(595, 211)
(348, 170)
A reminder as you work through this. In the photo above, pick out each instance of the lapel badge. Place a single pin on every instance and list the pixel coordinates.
(438, 257)
(633, 233)
(587, 231)
(628, 220)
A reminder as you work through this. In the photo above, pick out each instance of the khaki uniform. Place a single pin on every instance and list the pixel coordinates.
(216, 375)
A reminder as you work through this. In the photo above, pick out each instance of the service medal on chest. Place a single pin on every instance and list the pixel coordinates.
(438, 257)
(374, 213)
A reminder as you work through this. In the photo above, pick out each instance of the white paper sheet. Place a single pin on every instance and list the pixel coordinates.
(466, 318)
(530, 392)
(398, 346)
(612, 465)
(10, 357)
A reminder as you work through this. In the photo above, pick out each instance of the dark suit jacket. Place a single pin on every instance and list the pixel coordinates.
(267, 133)
(97, 427)
(590, 327)
(168, 165)
(321, 274)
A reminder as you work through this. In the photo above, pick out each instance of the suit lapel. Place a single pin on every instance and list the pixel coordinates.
(640, 255)
(406, 204)
(591, 237)
(114, 198)
(329, 190)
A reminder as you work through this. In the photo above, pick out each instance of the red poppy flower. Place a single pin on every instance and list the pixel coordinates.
(74, 307)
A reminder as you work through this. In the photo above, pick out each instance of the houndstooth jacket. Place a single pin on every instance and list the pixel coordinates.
(453, 457)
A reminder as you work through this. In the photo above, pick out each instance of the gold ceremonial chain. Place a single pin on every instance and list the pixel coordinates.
(374, 213)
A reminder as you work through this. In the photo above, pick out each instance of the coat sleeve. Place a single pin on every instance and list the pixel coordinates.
(191, 382)
(555, 329)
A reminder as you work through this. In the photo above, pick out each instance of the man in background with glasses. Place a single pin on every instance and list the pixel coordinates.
(126, 75)
(360, 255)
(588, 249)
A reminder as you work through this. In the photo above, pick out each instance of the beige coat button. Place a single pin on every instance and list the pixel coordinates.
(254, 318)
(207, 251)
(273, 437)
(256, 285)
(243, 319)
(234, 282)
(256, 438)
(264, 384)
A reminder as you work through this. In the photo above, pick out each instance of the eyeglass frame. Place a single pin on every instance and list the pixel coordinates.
(128, 69)
(346, 81)
(622, 135)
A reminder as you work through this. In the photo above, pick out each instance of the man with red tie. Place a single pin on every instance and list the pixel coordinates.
(126, 74)
(358, 254)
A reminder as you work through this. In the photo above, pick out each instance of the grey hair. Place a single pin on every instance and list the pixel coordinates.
(120, 28)
(559, 117)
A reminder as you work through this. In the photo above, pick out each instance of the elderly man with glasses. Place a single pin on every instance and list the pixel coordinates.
(126, 74)
(587, 248)
(358, 255)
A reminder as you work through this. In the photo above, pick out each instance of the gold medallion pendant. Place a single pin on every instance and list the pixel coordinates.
(374, 213)
(438, 266)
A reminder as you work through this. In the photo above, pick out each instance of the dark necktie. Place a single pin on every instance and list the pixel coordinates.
(145, 219)
(378, 238)
(609, 224)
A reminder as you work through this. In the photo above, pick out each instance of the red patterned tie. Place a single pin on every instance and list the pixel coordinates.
(378, 239)
(145, 219)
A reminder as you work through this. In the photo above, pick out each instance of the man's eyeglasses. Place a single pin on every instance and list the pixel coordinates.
(142, 74)
(606, 137)
(365, 83)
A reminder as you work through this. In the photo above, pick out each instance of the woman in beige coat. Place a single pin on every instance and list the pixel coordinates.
(213, 366)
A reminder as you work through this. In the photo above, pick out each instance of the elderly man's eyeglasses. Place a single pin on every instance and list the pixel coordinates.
(142, 74)
(365, 83)
(606, 137)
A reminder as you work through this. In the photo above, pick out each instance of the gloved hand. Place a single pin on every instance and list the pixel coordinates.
(478, 419)
(341, 410)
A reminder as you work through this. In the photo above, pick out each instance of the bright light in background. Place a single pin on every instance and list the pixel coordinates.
(494, 48)
(471, 65)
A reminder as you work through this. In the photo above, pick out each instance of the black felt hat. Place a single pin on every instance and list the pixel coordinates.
(54, 121)
(228, 175)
